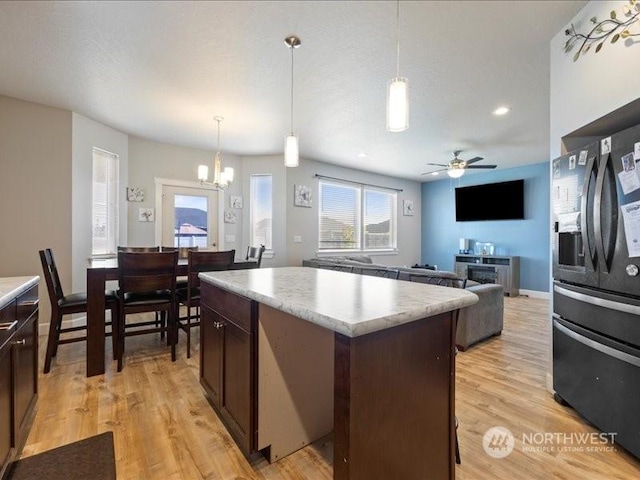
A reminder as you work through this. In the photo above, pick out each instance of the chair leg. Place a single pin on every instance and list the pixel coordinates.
(172, 334)
(52, 341)
(458, 461)
(158, 323)
(115, 332)
(121, 327)
(188, 332)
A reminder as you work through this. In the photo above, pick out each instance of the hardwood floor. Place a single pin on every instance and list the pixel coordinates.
(165, 429)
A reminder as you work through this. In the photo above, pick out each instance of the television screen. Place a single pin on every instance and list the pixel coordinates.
(493, 201)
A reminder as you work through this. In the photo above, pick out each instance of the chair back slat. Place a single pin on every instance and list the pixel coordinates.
(183, 252)
(255, 254)
(51, 276)
(145, 272)
(138, 249)
(207, 262)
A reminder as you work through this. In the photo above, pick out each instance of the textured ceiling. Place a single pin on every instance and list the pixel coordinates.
(163, 70)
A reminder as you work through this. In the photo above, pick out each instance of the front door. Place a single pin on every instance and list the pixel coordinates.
(189, 217)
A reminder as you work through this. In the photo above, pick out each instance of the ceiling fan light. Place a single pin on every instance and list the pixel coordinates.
(455, 172)
(398, 105)
(291, 151)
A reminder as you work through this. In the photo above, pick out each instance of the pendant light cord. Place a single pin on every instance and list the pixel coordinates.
(398, 38)
(291, 88)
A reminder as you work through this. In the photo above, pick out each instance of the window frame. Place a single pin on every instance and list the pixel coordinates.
(112, 202)
(360, 218)
(268, 253)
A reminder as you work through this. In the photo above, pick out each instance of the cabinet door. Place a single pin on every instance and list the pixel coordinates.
(24, 374)
(211, 354)
(237, 384)
(5, 404)
(502, 277)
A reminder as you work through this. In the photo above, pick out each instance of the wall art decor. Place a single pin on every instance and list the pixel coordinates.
(135, 194)
(146, 215)
(235, 201)
(407, 208)
(302, 196)
(229, 216)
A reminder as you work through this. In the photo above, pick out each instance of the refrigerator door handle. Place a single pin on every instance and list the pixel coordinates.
(597, 215)
(599, 302)
(584, 225)
(612, 352)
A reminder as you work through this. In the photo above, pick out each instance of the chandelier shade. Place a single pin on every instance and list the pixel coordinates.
(221, 177)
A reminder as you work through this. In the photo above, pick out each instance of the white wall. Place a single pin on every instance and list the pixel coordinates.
(35, 191)
(149, 160)
(594, 85)
(86, 134)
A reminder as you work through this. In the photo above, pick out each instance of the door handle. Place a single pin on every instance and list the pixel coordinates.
(20, 343)
(218, 325)
(584, 224)
(597, 214)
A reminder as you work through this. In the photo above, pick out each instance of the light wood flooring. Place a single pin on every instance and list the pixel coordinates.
(165, 429)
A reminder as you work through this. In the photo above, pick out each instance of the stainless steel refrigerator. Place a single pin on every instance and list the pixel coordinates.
(596, 287)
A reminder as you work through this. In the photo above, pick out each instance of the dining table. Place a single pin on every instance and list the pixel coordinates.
(99, 271)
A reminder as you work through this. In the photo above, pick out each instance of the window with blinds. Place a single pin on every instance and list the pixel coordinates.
(104, 212)
(261, 213)
(354, 217)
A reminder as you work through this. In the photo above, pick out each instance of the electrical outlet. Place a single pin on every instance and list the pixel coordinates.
(229, 238)
(297, 239)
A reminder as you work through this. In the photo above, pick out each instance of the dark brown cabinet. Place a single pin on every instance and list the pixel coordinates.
(18, 373)
(228, 369)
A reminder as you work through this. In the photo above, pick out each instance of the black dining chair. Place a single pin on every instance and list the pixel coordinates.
(254, 254)
(190, 296)
(62, 304)
(147, 283)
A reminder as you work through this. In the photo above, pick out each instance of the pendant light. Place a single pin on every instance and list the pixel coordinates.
(291, 147)
(221, 177)
(398, 94)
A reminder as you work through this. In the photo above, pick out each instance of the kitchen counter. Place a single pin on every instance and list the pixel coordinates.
(349, 304)
(289, 355)
(12, 287)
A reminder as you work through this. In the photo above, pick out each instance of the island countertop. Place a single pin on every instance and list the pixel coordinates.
(11, 287)
(346, 303)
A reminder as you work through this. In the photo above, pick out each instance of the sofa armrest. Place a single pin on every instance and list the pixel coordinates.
(483, 319)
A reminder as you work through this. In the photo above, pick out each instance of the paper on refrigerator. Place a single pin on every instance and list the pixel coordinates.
(631, 217)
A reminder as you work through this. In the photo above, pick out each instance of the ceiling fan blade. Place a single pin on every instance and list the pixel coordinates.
(474, 160)
(435, 171)
(438, 164)
(480, 166)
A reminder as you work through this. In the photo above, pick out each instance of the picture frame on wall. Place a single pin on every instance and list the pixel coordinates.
(302, 196)
(135, 194)
(235, 201)
(407, 208)
(146, 215)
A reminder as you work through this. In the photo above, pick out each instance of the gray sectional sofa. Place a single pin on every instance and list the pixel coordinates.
(475, 323)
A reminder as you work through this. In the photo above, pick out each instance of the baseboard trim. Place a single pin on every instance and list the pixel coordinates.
(550, 383)
(534, 294)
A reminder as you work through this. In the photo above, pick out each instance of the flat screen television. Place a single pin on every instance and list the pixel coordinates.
(492, 201)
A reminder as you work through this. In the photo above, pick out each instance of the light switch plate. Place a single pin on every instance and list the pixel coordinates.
(297, 239)
(230, 238)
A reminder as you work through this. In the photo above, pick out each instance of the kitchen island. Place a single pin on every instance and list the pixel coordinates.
(291, 354)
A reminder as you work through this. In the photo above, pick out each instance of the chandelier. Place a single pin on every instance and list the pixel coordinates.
(221, 177)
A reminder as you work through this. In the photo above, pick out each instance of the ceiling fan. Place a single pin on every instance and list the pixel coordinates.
(456, 167)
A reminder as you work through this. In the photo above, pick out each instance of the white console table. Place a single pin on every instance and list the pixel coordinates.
(491, 269)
